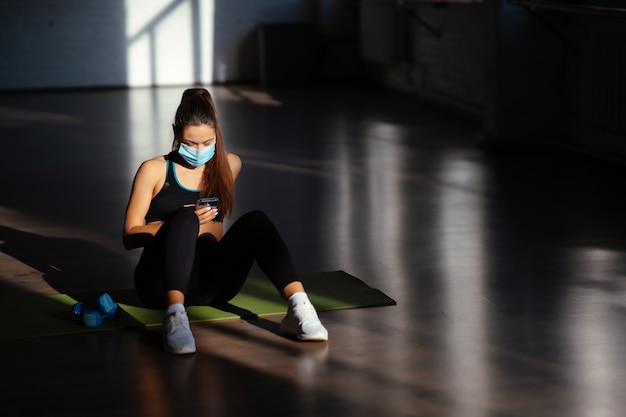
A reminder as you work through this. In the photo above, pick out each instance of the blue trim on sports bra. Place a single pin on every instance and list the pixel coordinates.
(177, 181)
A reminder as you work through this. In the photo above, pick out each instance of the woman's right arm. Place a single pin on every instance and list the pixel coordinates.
(146, 184)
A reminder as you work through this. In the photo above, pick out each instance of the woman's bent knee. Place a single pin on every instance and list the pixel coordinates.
(184, 218)
(256, 217)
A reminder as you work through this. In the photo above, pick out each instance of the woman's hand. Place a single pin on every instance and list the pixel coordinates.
(206, 214)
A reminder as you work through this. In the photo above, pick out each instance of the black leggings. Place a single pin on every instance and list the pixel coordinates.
(207, 271)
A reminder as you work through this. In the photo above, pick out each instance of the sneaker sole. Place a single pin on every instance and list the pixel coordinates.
(312, 338)
(305, 338)
(184, 351)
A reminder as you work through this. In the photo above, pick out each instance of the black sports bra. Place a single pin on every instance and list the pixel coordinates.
(172, 195)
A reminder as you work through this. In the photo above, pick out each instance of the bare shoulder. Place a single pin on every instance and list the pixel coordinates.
(233, 159)
(153, 166)
(151, 174)
(234, 162)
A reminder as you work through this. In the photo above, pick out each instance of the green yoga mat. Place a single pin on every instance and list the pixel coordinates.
(33, 316)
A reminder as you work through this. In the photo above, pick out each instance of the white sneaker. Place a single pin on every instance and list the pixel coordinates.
(302, 322)
(177, 337)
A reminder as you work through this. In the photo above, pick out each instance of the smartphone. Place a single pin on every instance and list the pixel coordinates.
(207, 201)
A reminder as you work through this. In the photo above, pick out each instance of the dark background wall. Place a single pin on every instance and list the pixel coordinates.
(536, 76)
(556, 76)
(55, 44)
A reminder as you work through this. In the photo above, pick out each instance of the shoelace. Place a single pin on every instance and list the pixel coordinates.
(306, 311)
(176, 322)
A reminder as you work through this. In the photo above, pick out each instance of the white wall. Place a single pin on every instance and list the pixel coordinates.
(95, 43)
(168, 42)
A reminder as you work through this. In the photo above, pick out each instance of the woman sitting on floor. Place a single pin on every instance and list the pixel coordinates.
(187, 258)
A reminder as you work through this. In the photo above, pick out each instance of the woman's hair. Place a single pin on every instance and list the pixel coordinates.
(197, 108)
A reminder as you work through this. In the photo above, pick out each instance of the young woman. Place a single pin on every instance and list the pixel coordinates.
(187, 258)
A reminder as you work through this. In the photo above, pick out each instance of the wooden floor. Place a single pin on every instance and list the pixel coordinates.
(508, 266)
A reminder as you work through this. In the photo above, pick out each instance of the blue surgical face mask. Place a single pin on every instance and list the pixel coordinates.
(195, 157)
